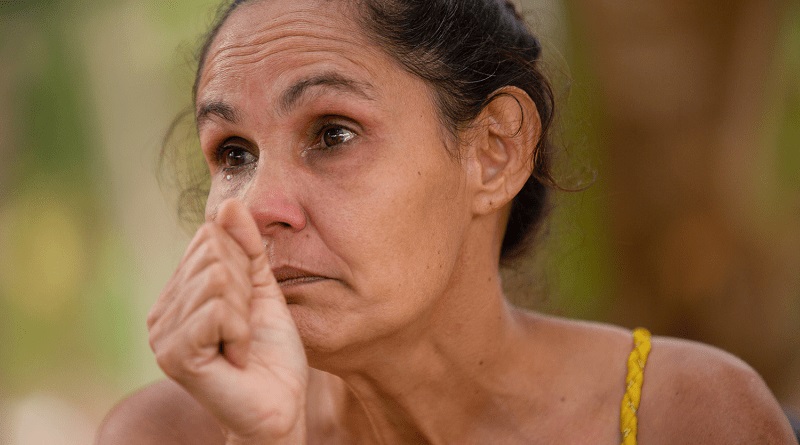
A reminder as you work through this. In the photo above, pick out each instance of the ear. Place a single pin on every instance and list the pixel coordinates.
(502, 147)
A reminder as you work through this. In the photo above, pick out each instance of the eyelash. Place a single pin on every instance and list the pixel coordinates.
(319, 145)
(227, 148)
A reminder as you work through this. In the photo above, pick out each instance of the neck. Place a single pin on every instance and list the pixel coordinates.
(444, 377)
(451, 376)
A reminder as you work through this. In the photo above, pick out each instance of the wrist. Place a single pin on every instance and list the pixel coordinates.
(295, 436)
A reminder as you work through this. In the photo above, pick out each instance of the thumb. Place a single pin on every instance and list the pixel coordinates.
(274, 331)
(234, 217)
(237, 221)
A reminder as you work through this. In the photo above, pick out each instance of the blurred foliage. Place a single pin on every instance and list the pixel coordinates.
(51, 218)
(787, 108)
(71, 291)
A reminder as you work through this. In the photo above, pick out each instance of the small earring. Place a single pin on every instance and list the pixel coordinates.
(229, 177)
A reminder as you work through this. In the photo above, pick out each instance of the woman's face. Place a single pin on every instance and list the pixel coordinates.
(341, 158)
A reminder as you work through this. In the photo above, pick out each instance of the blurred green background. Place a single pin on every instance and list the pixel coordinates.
(689, 116)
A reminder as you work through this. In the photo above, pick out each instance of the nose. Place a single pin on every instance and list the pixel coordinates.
(271, 198)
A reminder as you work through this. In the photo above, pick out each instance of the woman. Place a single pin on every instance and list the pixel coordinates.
(371, 164)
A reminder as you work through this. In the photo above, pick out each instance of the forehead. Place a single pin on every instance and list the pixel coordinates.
(272, 38)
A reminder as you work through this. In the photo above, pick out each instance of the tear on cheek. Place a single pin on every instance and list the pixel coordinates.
(229, 185)
(221, 189)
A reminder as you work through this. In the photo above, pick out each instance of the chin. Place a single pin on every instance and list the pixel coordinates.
(321, 335)
(333, 340)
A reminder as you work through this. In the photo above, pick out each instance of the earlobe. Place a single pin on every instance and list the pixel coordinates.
(508, 130)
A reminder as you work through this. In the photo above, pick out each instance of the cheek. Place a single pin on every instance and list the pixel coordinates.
(222, 189)
(216, 195)
(398, 230)
(213, 201)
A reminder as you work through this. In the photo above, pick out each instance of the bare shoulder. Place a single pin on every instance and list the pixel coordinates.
(162, 413)
(694, 393)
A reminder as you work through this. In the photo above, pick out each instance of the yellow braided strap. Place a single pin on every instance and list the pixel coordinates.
(628, 422)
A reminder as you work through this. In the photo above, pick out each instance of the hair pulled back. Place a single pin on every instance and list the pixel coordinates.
(466, 50)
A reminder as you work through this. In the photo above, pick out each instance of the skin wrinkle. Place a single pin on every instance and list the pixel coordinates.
(426, 309)
(297, 26)
(431, 348)
(325, 97)
(216, 108)
(255, 49)
(255, 60)
(283, 53)
(290, 98)
(449, 138)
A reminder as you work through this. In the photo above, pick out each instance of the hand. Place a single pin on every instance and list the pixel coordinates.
(222, 330)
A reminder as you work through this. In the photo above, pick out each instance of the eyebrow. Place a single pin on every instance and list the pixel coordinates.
(219, 109)
(290, 98)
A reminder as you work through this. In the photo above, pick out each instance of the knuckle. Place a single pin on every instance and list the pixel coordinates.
(241, 330)
(166, 361)
(153, 342)
(216, 311)
(156, 341)
(218, 276)
(205, 251)
(216, 245)
(173, 355)
(213, 247)
(151, 319)
(207, 244)
(205, 231)
(162, 354)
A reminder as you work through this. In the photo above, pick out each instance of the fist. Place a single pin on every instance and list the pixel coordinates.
(222, 330)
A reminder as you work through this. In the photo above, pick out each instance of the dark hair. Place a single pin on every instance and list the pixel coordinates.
(466, 50)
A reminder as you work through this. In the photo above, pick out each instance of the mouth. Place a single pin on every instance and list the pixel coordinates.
(291, 276)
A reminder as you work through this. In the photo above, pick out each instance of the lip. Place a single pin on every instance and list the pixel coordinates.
(292, 276)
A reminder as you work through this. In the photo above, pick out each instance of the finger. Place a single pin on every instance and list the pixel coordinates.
(158, 308)
(218, 281)
(186, 267)
(185, 352)
(211, 245)
(168, 296)
(213, 242)
(234, 217)
(215, 324)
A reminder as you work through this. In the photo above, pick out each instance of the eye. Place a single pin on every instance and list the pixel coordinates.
(332, 135)
(232, 156)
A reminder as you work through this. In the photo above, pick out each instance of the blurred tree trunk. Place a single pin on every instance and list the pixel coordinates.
(699, 254)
